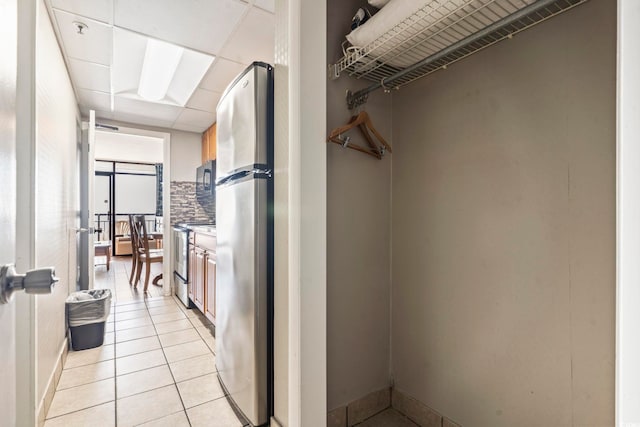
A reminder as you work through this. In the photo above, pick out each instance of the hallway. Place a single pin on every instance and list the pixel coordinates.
(156, 367)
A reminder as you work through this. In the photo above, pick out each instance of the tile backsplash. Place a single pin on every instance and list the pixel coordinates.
(186, 207)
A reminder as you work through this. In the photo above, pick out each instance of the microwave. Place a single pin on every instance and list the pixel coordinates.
(205, 180)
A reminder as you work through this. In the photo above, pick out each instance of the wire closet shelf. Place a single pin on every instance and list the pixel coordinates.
(436, 35)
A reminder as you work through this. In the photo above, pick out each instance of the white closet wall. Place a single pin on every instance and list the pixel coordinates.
(504, 229)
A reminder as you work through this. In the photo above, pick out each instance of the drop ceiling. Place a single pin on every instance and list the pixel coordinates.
(235, 32)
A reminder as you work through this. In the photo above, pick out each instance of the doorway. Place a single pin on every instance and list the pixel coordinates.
(130, 166)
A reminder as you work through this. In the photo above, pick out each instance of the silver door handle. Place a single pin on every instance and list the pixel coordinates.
(38, 281)
(86, 230)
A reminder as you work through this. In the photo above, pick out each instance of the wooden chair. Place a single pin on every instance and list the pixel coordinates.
(134, 249)
(145, 255)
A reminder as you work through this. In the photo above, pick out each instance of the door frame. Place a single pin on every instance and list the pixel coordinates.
(111, 213)
(300, 249)
(628, 217)
(167, 268)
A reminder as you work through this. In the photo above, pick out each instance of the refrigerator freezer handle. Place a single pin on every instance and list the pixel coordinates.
(206, 180)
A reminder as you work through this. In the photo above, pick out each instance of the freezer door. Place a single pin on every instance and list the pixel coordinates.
(242, 115)
(241, 306)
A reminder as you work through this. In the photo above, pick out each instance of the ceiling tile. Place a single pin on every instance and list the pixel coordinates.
(204, 100)
(141, 120)
(100, 10)
(175, 21)
(199, 119)
(221, 74)
(269, 5)
(189, 128)
(94, 100)
(164, 112)
(88, 75)
(92, 46)
(254, 39)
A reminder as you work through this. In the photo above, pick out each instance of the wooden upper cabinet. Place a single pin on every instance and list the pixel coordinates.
(209, 144)
(205, 146)
(213, 133)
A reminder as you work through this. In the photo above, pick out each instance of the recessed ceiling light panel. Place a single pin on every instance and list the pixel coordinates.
(161, 60)
(155, 71)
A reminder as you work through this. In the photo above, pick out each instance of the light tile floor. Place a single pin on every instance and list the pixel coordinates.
(155, 368)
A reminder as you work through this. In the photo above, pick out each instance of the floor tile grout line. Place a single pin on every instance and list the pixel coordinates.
(160, 418)
(161, 306)
(138, 352)
(78, 410)
(185, 342)
(175, 384)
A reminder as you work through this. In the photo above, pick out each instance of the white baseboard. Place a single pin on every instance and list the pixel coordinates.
(54, 378)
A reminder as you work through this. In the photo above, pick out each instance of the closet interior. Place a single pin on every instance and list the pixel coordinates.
(471, 269)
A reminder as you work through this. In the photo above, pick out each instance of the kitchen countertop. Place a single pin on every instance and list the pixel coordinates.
(205, 229)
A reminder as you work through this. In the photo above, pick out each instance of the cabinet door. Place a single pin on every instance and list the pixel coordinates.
(210, 300)
(205, 145)
(199, 279)
(192, 272)
(211, 138)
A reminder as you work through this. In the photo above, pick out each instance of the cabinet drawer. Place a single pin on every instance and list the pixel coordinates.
(205, 241)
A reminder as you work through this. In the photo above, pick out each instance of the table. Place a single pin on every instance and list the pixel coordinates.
(103, 248)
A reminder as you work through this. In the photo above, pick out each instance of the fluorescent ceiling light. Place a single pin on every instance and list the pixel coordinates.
(146, 69)
(161, 60)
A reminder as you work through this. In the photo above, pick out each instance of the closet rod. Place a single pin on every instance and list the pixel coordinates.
(358, 98)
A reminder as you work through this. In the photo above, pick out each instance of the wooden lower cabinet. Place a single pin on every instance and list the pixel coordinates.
(210, 300)
(192, 272)
(202, 276)
(200, 279)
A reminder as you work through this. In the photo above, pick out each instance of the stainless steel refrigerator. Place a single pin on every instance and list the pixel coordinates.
(244, 217)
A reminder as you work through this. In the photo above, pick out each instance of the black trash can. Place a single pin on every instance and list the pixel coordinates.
(87, 313)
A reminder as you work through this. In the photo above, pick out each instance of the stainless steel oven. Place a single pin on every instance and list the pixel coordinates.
(181, 262)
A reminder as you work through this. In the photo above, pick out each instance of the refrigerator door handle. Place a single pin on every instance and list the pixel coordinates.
(234, 177)
(241, 175)
(206, 180)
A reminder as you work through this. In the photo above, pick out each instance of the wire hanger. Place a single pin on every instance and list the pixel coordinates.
(363, 122)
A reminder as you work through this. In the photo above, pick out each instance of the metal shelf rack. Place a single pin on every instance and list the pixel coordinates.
(437, 35)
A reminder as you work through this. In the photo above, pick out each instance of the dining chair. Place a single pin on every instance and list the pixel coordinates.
(145, 255)
(134, 249)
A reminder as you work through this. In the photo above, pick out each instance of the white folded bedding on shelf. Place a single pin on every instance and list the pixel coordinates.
(388, 17)
(393, 13)
(405, 31)
(378, 3)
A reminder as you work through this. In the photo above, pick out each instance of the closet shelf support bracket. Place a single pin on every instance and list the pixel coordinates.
(355, 100)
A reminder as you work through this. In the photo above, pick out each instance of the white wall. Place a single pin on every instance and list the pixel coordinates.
(56, 195)
(504, 229)
(186, 149)
(125, 147)
(186, 155)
